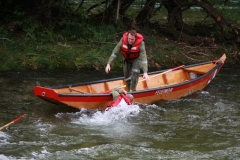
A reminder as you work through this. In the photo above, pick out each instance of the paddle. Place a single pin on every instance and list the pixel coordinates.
(173, 69)
(14, 121)
(76, 90)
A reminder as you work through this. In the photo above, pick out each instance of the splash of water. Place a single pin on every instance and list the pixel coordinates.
(115, 114)
(113, 117)
(114, 123)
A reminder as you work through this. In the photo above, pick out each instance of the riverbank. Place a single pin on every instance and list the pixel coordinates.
(163, 52)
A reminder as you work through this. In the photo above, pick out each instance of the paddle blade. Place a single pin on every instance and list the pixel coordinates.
(178, 67)
(17, 119)
(14, 121)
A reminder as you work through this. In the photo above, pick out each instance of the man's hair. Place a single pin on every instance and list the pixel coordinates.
(130, 96)
(132, 32)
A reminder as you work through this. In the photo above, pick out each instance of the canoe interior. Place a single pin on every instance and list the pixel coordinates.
(157, 79)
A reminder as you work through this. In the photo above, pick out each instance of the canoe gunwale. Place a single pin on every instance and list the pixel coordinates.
(146, 90)
(117, 78)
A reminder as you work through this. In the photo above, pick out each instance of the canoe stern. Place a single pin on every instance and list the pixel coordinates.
(46, 94)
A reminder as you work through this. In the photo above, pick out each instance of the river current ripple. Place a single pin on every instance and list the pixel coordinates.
(202, 126)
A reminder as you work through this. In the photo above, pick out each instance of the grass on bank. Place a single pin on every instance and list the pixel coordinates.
(162, 53)
(22, 56)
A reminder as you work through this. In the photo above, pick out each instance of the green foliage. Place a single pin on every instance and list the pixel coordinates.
(104, 33)
(85, 32)
(76, 40)
(42, 61)
(230, 11)
(29, 26)
(9, 60)
(33, 32)
(169, 48)
(221, 34)
(3, 32)
(9, 65)
(46, 34)
(70, 29)
(89, 61)
(94, 57)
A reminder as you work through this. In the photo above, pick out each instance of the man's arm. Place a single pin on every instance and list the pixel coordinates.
(115, 51)
(143, 57)
(143, 60)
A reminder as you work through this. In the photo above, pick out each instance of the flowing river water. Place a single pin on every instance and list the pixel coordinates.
(202, 126)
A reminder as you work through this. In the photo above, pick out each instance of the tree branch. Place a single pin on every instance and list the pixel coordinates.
(79, 6)
(96, 5)
(6, 39)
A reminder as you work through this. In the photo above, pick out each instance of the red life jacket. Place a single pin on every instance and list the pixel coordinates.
(121, 99)
(133, 53)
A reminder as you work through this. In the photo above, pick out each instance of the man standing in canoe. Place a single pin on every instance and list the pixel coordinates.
(132, 48)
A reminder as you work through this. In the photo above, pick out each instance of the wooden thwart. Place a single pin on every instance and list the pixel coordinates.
(76, 90)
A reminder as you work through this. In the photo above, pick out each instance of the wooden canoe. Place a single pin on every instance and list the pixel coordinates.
(163, 85)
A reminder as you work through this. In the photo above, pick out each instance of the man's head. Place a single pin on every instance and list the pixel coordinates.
(131, 36)
(130, 97)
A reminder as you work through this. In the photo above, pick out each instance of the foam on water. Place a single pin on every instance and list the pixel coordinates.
(3, 135)
(3, 157)
(115, 114)
(114, 123)
(4, 138)
(43, 154)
